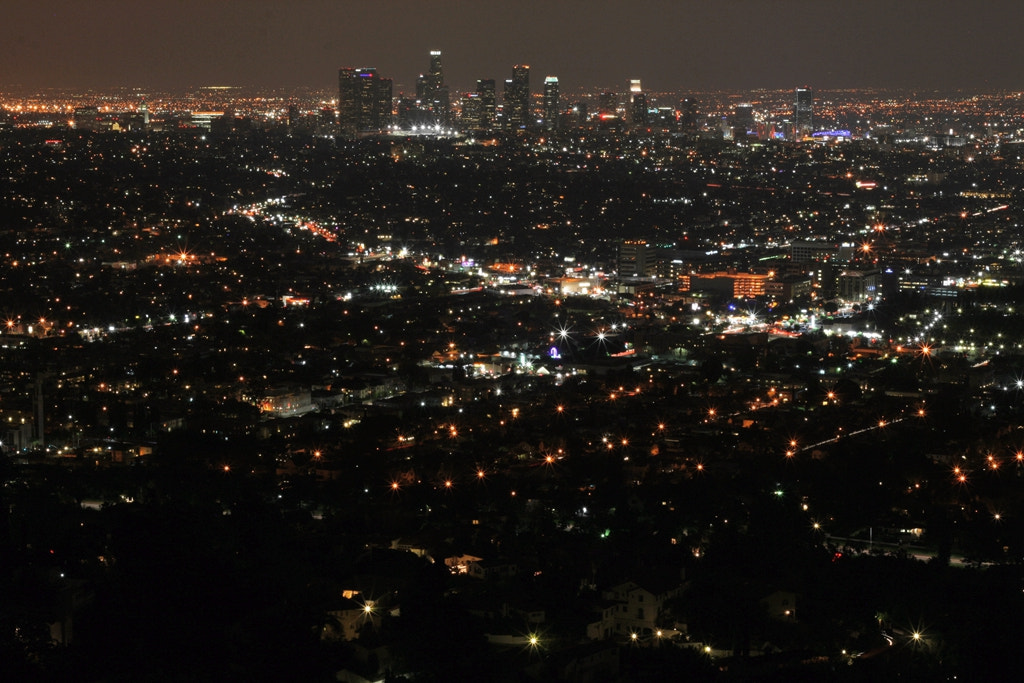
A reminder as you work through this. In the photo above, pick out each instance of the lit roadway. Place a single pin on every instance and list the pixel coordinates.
(922, 554)
(882, 424)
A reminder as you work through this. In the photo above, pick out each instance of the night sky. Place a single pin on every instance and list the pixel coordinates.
(673, 45)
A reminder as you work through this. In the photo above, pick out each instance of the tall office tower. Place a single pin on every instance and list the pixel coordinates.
(516, 100)
(472, 112)
(803, 111)
(743, 118)
(551, 103)
(607, 103)
(488, 101)
(408, 114)
(637, 103)
(432, 92)
(364, 101)
(688, 113)
(436, 72)
(638, 109)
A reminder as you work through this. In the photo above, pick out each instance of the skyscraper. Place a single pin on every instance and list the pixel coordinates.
(607, 103)
(364, 101)
(432, 92)
(803, 112)
(516, 100)
(743, 119)
(551, 103)
(472, 116)
(638, 103)
(638, 110)
(436, 72)
(688, 113)
(488, 101)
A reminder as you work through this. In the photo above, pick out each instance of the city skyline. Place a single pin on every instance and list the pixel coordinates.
(380, 379)
(671, 46)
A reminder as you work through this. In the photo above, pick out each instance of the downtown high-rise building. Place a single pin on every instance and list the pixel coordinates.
(803, 112)
(516, 100)
(688, 113)
(743, 121)
(637, 103)
(471, 112)
(607, 104)
(488, 102)
(551, 102)
(364, 101)
(432, 93)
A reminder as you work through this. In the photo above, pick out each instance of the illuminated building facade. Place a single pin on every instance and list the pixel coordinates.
(488, 101)
(859, 285)
(472, 111)
(803, 112)
(87, 118)
(806, 252)
(743, 120)
(364, 101)
(517, 98)
(551, 102)
(607, 103)
(735, 285)
(633, 260)
(638, 109)
(431, 91)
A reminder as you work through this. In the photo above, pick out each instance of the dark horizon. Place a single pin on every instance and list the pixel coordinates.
(670, 46)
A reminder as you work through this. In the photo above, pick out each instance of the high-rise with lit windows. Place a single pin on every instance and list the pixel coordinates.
(431, 91)
(803, 112)
(516, 101)
(551, 103)
(633, 258)
(364, 101)
(488, 102)
(637, 103)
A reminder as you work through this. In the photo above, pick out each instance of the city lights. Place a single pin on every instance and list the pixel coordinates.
(288, 329)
